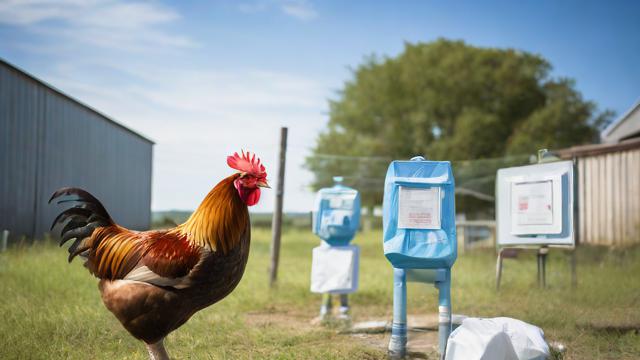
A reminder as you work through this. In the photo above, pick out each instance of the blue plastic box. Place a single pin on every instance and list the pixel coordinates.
(419, 230)
(336, 218)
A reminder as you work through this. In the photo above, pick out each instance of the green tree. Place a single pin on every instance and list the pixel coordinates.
(451, 101)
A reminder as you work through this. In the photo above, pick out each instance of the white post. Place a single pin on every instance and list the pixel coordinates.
(5, 240)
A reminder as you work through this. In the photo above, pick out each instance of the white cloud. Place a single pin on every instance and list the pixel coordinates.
(131, 26)
(198, 116)
(299, 9)
(195, 113)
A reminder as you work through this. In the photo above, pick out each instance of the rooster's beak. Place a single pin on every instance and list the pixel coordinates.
(263, 184)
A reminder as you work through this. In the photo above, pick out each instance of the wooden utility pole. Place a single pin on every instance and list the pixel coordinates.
(276, 224)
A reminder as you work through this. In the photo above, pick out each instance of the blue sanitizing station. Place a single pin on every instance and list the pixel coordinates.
(337, 216)
(335, 263)
(419, 239)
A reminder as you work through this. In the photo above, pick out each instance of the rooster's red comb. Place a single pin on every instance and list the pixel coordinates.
(247, 163)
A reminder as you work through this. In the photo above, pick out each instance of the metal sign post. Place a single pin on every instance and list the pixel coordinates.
(542, 266)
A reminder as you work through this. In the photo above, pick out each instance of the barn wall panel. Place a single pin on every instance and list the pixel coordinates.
(609, 198)
(48, 140)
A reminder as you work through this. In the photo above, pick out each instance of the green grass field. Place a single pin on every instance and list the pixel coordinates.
(52, 310)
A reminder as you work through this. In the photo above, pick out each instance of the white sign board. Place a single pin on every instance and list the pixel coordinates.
(534, 204)
(419, 208)
(536, 207)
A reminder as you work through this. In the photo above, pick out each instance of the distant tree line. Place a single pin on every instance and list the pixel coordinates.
(449, 101)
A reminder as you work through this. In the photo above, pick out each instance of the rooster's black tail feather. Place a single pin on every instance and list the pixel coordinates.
(83, 218)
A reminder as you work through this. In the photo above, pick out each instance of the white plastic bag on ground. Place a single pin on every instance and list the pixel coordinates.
(496, 339)
(334, 269)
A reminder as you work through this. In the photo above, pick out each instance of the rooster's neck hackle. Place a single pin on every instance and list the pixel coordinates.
(220, 220)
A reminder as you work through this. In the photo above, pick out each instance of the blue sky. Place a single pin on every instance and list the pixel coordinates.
(206, 78)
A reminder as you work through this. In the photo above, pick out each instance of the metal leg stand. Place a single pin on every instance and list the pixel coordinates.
(398, 341)
(444, 312)
(325, 308)
(574, 274)
(542, 267)
(499, 270)
(343, 313)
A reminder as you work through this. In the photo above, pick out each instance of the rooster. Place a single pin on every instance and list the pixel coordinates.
(154, 281)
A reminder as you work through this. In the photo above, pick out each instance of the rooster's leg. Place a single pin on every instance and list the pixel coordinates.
(157, 351)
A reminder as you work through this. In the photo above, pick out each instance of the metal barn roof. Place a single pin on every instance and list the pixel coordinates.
(53, 88)
(598, 149)
(625, 127)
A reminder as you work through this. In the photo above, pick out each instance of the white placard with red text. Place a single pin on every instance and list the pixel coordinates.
(419, 208)
(535, 204)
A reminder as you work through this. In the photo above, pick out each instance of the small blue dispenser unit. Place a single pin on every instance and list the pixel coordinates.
(419, 238)
(335, 263)
(336, 218)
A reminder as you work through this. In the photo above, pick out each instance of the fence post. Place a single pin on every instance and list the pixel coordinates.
(277, 211)
(5, 240)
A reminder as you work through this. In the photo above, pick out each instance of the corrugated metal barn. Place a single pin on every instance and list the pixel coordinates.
(626, 127)
(49, 140)
(608, 192)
